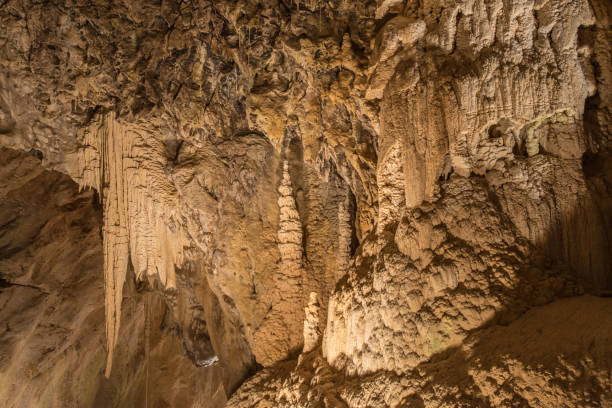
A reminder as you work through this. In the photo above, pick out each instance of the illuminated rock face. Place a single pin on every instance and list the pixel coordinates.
(52, 295)
(370, 203)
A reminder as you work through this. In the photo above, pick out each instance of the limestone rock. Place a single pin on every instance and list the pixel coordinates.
(367, 203)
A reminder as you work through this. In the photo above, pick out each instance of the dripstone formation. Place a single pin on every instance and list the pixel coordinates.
(306, 203)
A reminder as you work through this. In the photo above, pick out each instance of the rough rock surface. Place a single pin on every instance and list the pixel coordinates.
(52, 307)
(551, 356)
(371, 203)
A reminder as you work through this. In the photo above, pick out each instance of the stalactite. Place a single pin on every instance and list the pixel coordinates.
(116, 245)
(137, 212)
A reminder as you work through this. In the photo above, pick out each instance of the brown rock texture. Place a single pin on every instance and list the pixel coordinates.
(306, 203)
(52, 296)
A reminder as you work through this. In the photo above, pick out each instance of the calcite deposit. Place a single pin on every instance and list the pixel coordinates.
(306, 203)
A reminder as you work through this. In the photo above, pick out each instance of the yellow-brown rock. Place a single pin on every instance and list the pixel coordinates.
(305, 203)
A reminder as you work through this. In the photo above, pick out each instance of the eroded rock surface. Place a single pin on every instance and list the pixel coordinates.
(52, 296)
(361, 200)
(550, 356)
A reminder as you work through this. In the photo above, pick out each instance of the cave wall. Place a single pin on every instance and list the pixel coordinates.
(52, 296)
(380, 184)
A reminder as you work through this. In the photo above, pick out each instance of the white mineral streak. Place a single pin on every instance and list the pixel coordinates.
(344, 238)
(391, 195)
(312, 332)
(137, 222)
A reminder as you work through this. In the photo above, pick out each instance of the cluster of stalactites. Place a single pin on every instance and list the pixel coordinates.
(135, 219)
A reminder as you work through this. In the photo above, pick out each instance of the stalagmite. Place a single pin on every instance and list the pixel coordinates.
(286, 312)
(312, 333)
(344, 238)
(290, 228)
